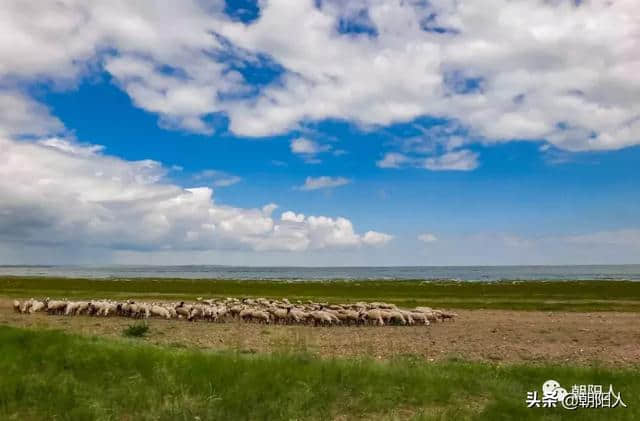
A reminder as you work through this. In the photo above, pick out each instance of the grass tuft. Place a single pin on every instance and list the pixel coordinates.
(136, 330)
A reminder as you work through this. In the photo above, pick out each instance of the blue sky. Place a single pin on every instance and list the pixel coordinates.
(454, 175)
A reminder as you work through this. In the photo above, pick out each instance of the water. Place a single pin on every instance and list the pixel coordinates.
(463, 273)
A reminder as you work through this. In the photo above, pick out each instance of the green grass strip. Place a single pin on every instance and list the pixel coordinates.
(50, 375)
(518, 295)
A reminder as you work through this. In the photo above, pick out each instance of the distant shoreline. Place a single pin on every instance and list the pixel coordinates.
(354, 273)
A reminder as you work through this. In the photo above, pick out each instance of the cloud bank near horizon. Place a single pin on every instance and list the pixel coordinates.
(59, 192)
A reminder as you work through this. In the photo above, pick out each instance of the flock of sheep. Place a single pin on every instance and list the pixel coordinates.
(259, 310)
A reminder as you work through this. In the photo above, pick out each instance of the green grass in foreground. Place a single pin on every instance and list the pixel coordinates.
(50, 375)
(518, 295)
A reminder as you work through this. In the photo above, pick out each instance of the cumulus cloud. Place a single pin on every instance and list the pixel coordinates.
(393, 160)
(59, 192)
(374, 238)
(427, 238)
(21, 116)
(217, 178)
(302, 145)
(462, 160)
(563, 71)
(459, 160)
(308, 149)
(500, 69)
(323, 182)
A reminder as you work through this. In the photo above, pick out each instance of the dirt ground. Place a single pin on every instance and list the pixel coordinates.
(609, 338)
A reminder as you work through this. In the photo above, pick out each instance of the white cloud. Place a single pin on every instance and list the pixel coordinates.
(526, 85)
(70, 147)
(392, 160)
(427, 238)
(309, 149)
(459, 160)
(436, 148)
(58, 192)
(462, 160)
(323, 182)
(21, 116)
(217, 178)
(558, 70)
(374, 238)
(302, 145)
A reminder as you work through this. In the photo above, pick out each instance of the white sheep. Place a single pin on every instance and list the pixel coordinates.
(38, 306)
(373, 316)
(260, 316)
(279, 314)
(26, 305)
(419, 317)
(258, 310)
(56, 306)
(159, 311)
(321, 318)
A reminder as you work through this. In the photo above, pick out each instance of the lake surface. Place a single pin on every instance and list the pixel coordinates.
(463, 273)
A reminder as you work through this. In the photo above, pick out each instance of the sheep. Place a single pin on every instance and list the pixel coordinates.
(374, 317)
(279, 314)
(419, 317)
(259, 310)
(393, 317)
(297, 316)
(56, 307)
(407, 316)
(144, 310)
(156, 310)
(352, 316)
(334, 316)
(321, 318)
(110, 308)
(172, 312)
(129, 309)
(196, 312)
(235, 310)
(245, 314)
(183, 310)
(76, 307)
(71, 308)
(260, 316)
(444, 315)
(83, 306)
(96, 308)
(222, 313)
(38, 306)
(26, 305)
(429, 313)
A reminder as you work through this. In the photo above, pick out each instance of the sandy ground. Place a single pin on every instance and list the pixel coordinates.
(610, 338)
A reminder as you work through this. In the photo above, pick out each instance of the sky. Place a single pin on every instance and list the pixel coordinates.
(321, 132)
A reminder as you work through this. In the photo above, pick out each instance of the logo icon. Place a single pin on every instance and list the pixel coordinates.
(581, 396)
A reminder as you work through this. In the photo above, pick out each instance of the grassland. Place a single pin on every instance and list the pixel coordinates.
(52, 375)
(515, 295)
(470, 369)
